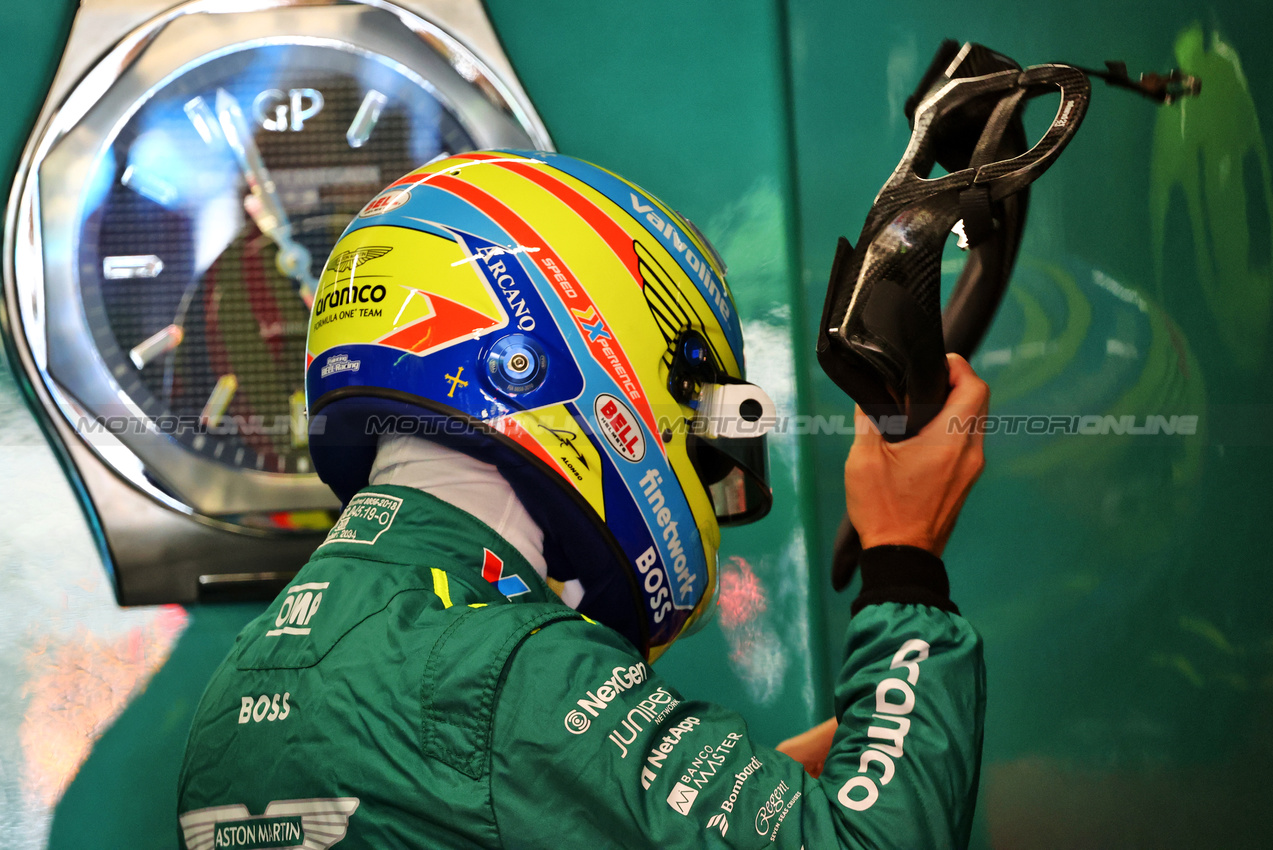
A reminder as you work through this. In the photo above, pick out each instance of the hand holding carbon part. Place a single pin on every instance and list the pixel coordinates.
(884, 335)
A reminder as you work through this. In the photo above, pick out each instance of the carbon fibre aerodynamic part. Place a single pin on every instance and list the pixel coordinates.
(884, 334)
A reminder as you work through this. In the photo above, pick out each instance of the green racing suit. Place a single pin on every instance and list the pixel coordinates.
(393, 696)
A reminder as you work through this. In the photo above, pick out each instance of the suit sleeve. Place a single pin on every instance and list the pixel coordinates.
(591, 748)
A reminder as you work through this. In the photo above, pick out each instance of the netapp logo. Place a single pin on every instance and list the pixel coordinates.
(659, 752)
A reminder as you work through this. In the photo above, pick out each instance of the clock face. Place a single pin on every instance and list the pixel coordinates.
(207, 217)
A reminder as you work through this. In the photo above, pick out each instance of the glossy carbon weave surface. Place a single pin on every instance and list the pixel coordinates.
(546, 316)
(881, 337)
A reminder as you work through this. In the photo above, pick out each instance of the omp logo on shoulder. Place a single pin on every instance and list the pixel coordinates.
(313, 823)
(597, 700)
(620, 426)
(339, 363)
(298, 608)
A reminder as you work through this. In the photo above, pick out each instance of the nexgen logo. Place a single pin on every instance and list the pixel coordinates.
(298, 608)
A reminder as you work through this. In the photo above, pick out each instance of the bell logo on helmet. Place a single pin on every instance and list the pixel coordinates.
(619, 425)
(385, 202)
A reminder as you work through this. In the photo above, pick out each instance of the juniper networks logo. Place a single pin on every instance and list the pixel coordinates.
(339, 363)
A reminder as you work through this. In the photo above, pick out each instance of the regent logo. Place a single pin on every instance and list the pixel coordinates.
(311, 823)
(652, 709)
(339, 363)
(888, 738)
(298, 608)
(620, 427)
(385, 202)
(264, 708)
(659, 752)
(774, 811)
(621, 679)
(682, 798)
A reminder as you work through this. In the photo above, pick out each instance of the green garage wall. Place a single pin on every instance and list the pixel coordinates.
(1121, 582)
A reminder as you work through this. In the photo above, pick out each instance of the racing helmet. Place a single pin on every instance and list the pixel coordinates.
(542, 314)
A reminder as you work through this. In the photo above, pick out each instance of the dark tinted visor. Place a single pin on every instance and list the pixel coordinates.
(735, 472)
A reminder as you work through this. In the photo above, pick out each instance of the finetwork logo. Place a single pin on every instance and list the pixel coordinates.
(682, 798)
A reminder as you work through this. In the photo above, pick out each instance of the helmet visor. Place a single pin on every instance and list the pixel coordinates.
(735, 471)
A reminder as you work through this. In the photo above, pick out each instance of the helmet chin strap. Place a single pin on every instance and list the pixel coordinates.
(474, 487)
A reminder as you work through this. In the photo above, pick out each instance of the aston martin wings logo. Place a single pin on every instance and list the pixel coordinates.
(346, 260)
(312, 824)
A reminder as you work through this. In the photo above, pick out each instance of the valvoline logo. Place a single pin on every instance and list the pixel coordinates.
(620, 426)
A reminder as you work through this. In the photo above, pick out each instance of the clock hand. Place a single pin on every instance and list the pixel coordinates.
(263, 204)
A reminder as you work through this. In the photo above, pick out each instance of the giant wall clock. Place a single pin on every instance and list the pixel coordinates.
(191, 170)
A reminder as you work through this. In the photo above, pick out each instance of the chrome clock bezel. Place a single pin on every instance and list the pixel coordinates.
(41, 285)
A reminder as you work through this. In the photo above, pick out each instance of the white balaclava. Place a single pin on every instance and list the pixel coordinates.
(474, 487)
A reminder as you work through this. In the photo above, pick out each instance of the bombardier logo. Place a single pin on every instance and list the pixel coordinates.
(720, 822)
(620, 426)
